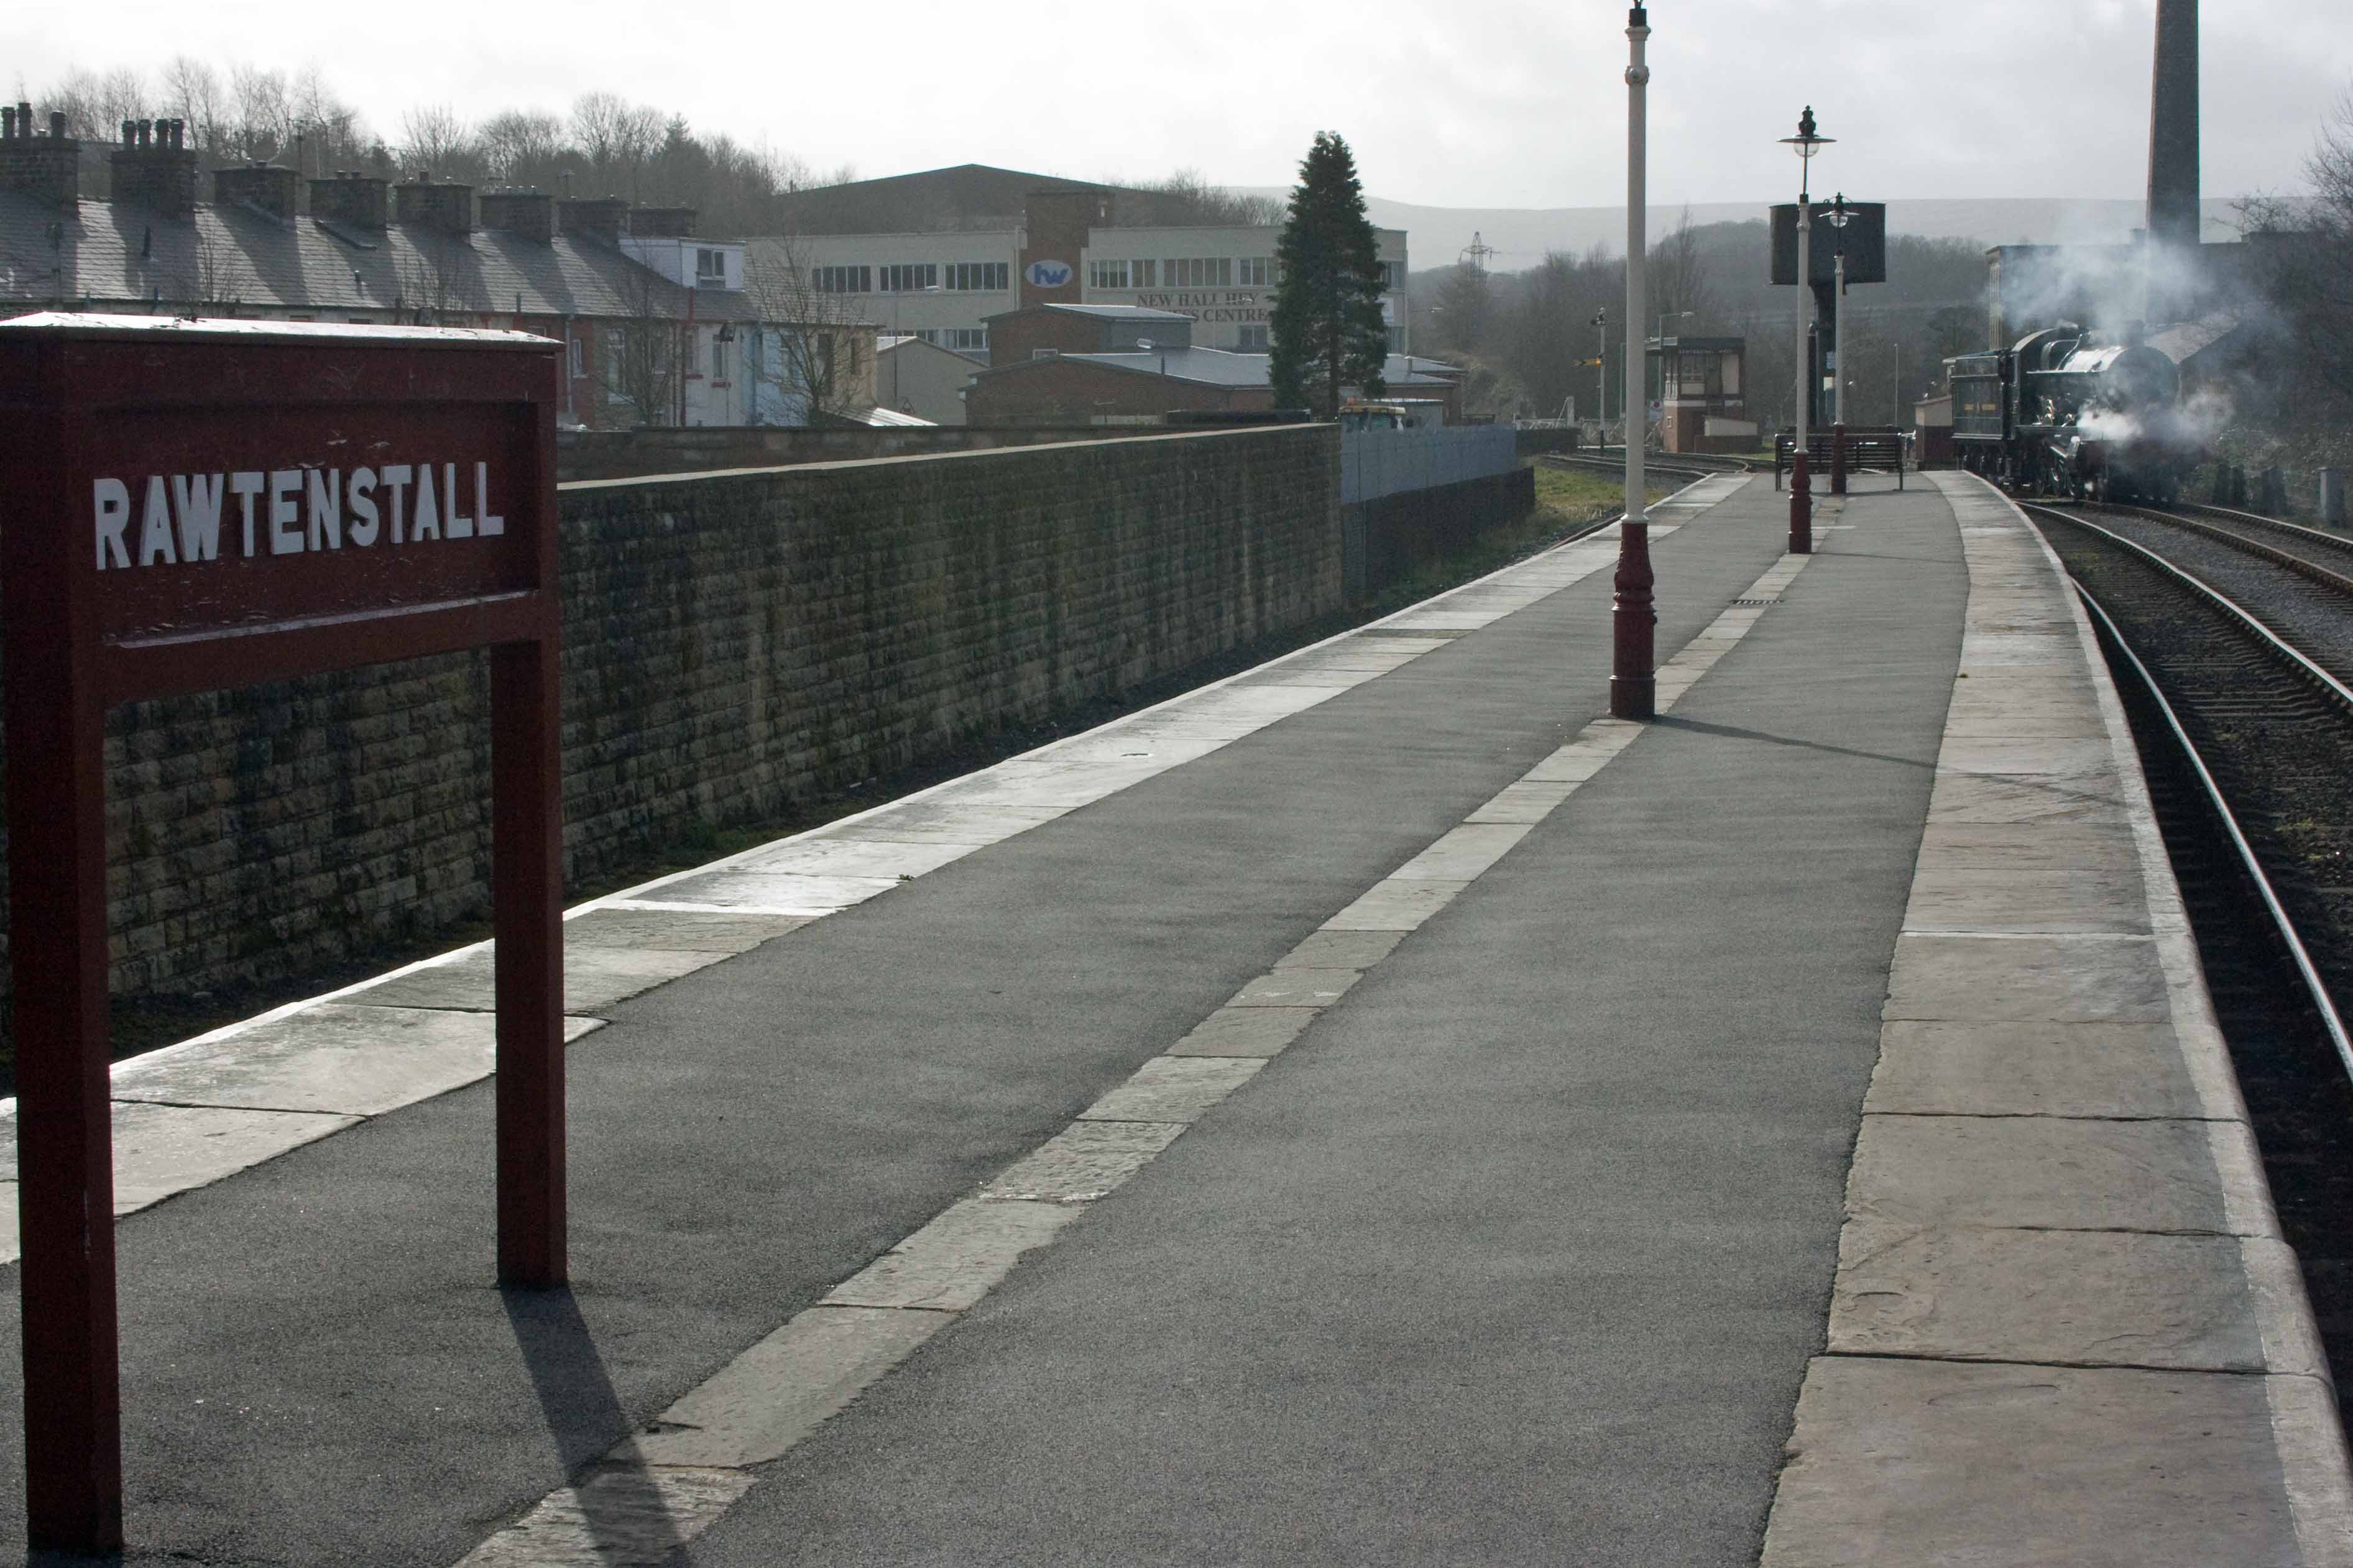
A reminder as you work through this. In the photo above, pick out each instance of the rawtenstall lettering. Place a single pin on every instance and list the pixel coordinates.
(287, 511)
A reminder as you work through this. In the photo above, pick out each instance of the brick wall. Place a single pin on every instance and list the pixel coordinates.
(732, 644)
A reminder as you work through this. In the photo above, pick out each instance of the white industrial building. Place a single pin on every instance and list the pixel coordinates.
(1066, 244)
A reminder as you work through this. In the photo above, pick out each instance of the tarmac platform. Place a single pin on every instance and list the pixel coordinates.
(1373, 1109)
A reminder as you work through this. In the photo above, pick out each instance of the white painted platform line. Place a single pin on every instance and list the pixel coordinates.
(2064, 1327)
(758, 1406)
(374, 1047)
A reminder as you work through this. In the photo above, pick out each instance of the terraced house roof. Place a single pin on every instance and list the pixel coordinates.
(122, 255)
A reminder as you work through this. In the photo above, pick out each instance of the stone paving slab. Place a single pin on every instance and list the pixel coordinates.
(595, 977)
(2032, 1068)
(2027, 900)
(1246, 1031)
(353, 1060)
(2063, 1297)
(686, 929)
(2047, 1172)
(1997, 978)
(1945, 1464)
(161, 1151)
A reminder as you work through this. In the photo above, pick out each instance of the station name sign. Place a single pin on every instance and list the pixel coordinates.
(286, 512)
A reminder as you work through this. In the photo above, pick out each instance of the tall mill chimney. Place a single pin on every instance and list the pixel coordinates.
(2173, 210)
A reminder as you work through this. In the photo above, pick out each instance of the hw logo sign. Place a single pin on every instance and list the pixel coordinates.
(1051, 274)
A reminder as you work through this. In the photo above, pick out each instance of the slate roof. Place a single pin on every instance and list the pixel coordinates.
(118, 256)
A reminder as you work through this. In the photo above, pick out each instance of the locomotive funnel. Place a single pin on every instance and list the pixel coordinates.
(2173, 183)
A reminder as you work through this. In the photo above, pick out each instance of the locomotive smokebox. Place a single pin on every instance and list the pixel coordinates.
(2173, 183)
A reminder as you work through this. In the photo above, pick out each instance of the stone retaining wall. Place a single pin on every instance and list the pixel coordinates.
(732, 644)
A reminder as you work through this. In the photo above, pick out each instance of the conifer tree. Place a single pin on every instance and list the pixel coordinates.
(1327, 331)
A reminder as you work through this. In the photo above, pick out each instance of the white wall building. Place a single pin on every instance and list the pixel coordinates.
(941, 287)
(1222, 277)
(936, 287)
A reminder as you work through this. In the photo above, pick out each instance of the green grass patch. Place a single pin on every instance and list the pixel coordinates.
(1575, 492)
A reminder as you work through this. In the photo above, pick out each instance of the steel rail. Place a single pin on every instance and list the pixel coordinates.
(2303, 566)
(2297, 662)
(2330, 1017)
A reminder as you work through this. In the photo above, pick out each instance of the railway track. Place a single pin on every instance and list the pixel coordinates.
(1681, 464)
(2245, 731)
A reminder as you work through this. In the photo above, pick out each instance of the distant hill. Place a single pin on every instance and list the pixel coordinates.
(1520, 236)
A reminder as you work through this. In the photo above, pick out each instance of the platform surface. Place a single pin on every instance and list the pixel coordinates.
(1373, 1110)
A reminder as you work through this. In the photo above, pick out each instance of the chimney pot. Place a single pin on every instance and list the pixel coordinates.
(46, 168)
(152, 172)
(56, 125)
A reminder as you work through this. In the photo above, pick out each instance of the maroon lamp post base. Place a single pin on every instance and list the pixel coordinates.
(1801, 506)
(1633, 680)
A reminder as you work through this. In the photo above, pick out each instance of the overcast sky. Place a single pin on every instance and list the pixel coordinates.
(1471, 103)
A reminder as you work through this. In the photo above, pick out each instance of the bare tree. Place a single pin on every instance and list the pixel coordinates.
(1186, 198)
(812, 358)
(261, 114)
(618, 138)
(1679, 274)
(526, 147)
(193, 92)
(644, 354)
(2299, 409)
(434, 139)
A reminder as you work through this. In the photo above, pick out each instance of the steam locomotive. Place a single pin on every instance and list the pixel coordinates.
(2059, 414)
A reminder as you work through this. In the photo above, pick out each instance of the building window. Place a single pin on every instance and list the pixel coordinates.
(1107, 275)
(1397, 338)
(929, 334)
(910, 278)
(1199, 271)
(1045, 353)
(1146, 274)
(967, 340)
(845, 280)
(1253, 341)
(1392, 277)
(979, 276)
(719, 359)
(1254, 271)
(579, 357)
(710, 268)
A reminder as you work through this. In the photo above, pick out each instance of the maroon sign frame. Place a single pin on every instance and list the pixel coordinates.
(191, 505)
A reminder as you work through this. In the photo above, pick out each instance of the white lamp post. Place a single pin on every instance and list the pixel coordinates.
(1802, 496)
(1633, 680)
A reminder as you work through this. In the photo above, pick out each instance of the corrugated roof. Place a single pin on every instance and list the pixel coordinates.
(1117, 312)
(114, 254)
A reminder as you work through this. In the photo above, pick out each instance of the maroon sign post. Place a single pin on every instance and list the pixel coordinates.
(192, 505)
